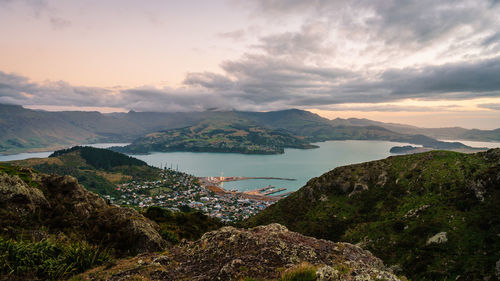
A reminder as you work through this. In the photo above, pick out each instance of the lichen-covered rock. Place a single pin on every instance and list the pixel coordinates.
(438, 238)
(261, 252)
(19, 196)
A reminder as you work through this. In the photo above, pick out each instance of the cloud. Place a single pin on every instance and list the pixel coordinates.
(392, 20)
(235, 35)
(389, 108)
(492, 106)
(59, 23)
(264, 83)
(336, 52)
(19, 90)
(43, 10)
(261, 79)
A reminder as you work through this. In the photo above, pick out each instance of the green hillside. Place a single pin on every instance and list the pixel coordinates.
(434, 215)
(96, 169)
(240, 136)
(53, 228)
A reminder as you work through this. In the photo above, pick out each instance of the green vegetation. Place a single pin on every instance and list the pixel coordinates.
(51, 226)
(175, 226)
(240, 136)
(101, 158)
(88, 178)
(304, 272)
(98, 170)
(392, 207)
(22, 174)
(49, 259)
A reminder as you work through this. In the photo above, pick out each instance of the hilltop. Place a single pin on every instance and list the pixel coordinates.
(97, 169)
(262, 253)
(238, 136)
(52, 228)
(433, 215)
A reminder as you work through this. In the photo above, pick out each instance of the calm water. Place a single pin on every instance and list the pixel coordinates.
(299, 164)
(477, 143)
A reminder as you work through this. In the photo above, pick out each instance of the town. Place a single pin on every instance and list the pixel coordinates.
(179, 191)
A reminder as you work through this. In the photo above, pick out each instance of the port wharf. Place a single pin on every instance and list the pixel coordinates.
(264, 193)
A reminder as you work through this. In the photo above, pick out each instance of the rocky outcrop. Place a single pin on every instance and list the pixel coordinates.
(19, 196)
(48, 204)
(262, 252)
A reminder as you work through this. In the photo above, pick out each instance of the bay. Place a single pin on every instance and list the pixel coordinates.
(298, 164)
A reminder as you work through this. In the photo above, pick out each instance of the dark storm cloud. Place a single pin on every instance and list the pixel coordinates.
(476, 79)
(261, 79)
(389, 108)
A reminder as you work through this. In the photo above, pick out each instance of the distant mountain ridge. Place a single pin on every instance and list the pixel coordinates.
(24, 129)
(455, 133)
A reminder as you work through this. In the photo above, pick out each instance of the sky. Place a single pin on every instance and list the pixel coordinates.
(426, 63)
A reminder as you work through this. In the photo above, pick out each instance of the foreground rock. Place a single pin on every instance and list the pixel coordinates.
(38, 205)
(262, 252)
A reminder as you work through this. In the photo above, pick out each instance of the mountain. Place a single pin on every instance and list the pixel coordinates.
(53, 228)
(453, 133)
(434, 215)
(24, 129)
(238, 136)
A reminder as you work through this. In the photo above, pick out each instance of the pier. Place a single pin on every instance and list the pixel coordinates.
(223, 179)
(273, 191)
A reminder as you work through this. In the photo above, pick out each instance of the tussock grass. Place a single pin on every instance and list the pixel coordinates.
(49, 259)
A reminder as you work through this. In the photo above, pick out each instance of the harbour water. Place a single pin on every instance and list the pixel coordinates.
(298, 164)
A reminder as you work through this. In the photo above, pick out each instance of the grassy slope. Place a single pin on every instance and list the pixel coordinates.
(53, 244)
(408, 200)
(218, 135)
(96, 169)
